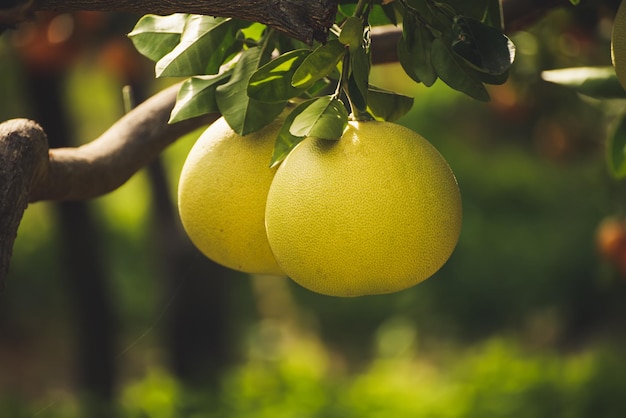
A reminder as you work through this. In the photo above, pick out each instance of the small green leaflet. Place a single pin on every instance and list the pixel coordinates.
(325, 118)
(352, 33)
(387, 105)
(285, 141)
(359, 79)
(243, 114)
(333, 114)
(155, 36)
(272, 82)
(206, 42)
(318, 64)
(616, 149)
(197, 96)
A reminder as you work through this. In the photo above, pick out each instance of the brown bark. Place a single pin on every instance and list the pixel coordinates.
(29, 172)
(106, 163)
(23, 156)
(303, 20)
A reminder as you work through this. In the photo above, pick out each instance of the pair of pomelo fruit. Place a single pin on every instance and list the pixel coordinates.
(375, 212)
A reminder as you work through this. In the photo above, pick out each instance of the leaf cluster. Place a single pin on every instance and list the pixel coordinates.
(250, 74)
(460, 42)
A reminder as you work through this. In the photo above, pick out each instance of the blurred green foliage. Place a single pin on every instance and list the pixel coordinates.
(495, 378)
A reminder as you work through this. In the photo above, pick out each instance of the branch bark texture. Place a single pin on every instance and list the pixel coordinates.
(23, 156)
(30, 172)
(106, 163)
(304, 20)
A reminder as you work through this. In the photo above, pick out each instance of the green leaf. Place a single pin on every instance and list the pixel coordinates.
(318, 64)
(358, 100)
(359, 78)
(325, 118)
(453, 72)
(616, 149)
(286, 141)
(598, 82)
(440, 17)
(387, 105)
(394, 12)
(254, 32)
(487, 49)
(197, 96)
(414, 51)
(272, 82)
(352, 33)
(205, 44)
(243, 114)
(155, 36)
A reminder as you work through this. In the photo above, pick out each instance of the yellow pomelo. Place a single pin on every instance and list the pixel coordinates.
(618, 44)
(376, 212)
(221, 196)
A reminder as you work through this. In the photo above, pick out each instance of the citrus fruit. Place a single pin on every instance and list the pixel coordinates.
(618, 44)
(221, 196)
(375, 212)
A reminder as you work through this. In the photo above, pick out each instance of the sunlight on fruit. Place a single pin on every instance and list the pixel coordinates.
(376, 212)
(221, 196)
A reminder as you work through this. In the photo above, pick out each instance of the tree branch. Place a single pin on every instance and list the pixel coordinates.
(29, 172)
(23, 148)
(303, 20)
(106, 163)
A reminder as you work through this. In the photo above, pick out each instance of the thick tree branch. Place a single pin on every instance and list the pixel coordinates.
(106, 163)
(303, 20)
(29, 172)
(23, 147)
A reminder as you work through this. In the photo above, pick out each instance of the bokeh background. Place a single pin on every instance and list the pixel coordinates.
(110, 311)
